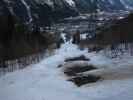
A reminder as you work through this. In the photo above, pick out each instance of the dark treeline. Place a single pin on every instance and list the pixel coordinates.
(120, 31)
(18, 39)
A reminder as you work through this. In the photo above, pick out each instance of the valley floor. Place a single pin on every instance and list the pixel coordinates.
(45, 81)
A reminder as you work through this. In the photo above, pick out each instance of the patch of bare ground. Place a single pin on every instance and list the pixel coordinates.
(84, 79)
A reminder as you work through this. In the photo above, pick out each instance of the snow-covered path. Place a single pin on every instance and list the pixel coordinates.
(44, 81)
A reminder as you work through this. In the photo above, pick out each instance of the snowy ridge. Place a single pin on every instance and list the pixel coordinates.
(110, 3)
(51, 2)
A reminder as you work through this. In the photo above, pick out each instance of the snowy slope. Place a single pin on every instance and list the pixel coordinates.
(44, 12)
(44, 81)
(70, 2)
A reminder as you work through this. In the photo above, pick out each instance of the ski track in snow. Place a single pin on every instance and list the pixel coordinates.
(44, 81)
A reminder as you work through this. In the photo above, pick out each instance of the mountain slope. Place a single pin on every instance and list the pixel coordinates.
(39, 11)
(43, 12)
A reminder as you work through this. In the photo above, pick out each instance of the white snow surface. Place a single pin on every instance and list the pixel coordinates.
(44, 81)
(127, 6)
(70, 2)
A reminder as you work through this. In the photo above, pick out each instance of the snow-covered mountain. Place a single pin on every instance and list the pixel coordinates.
(43, 12)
